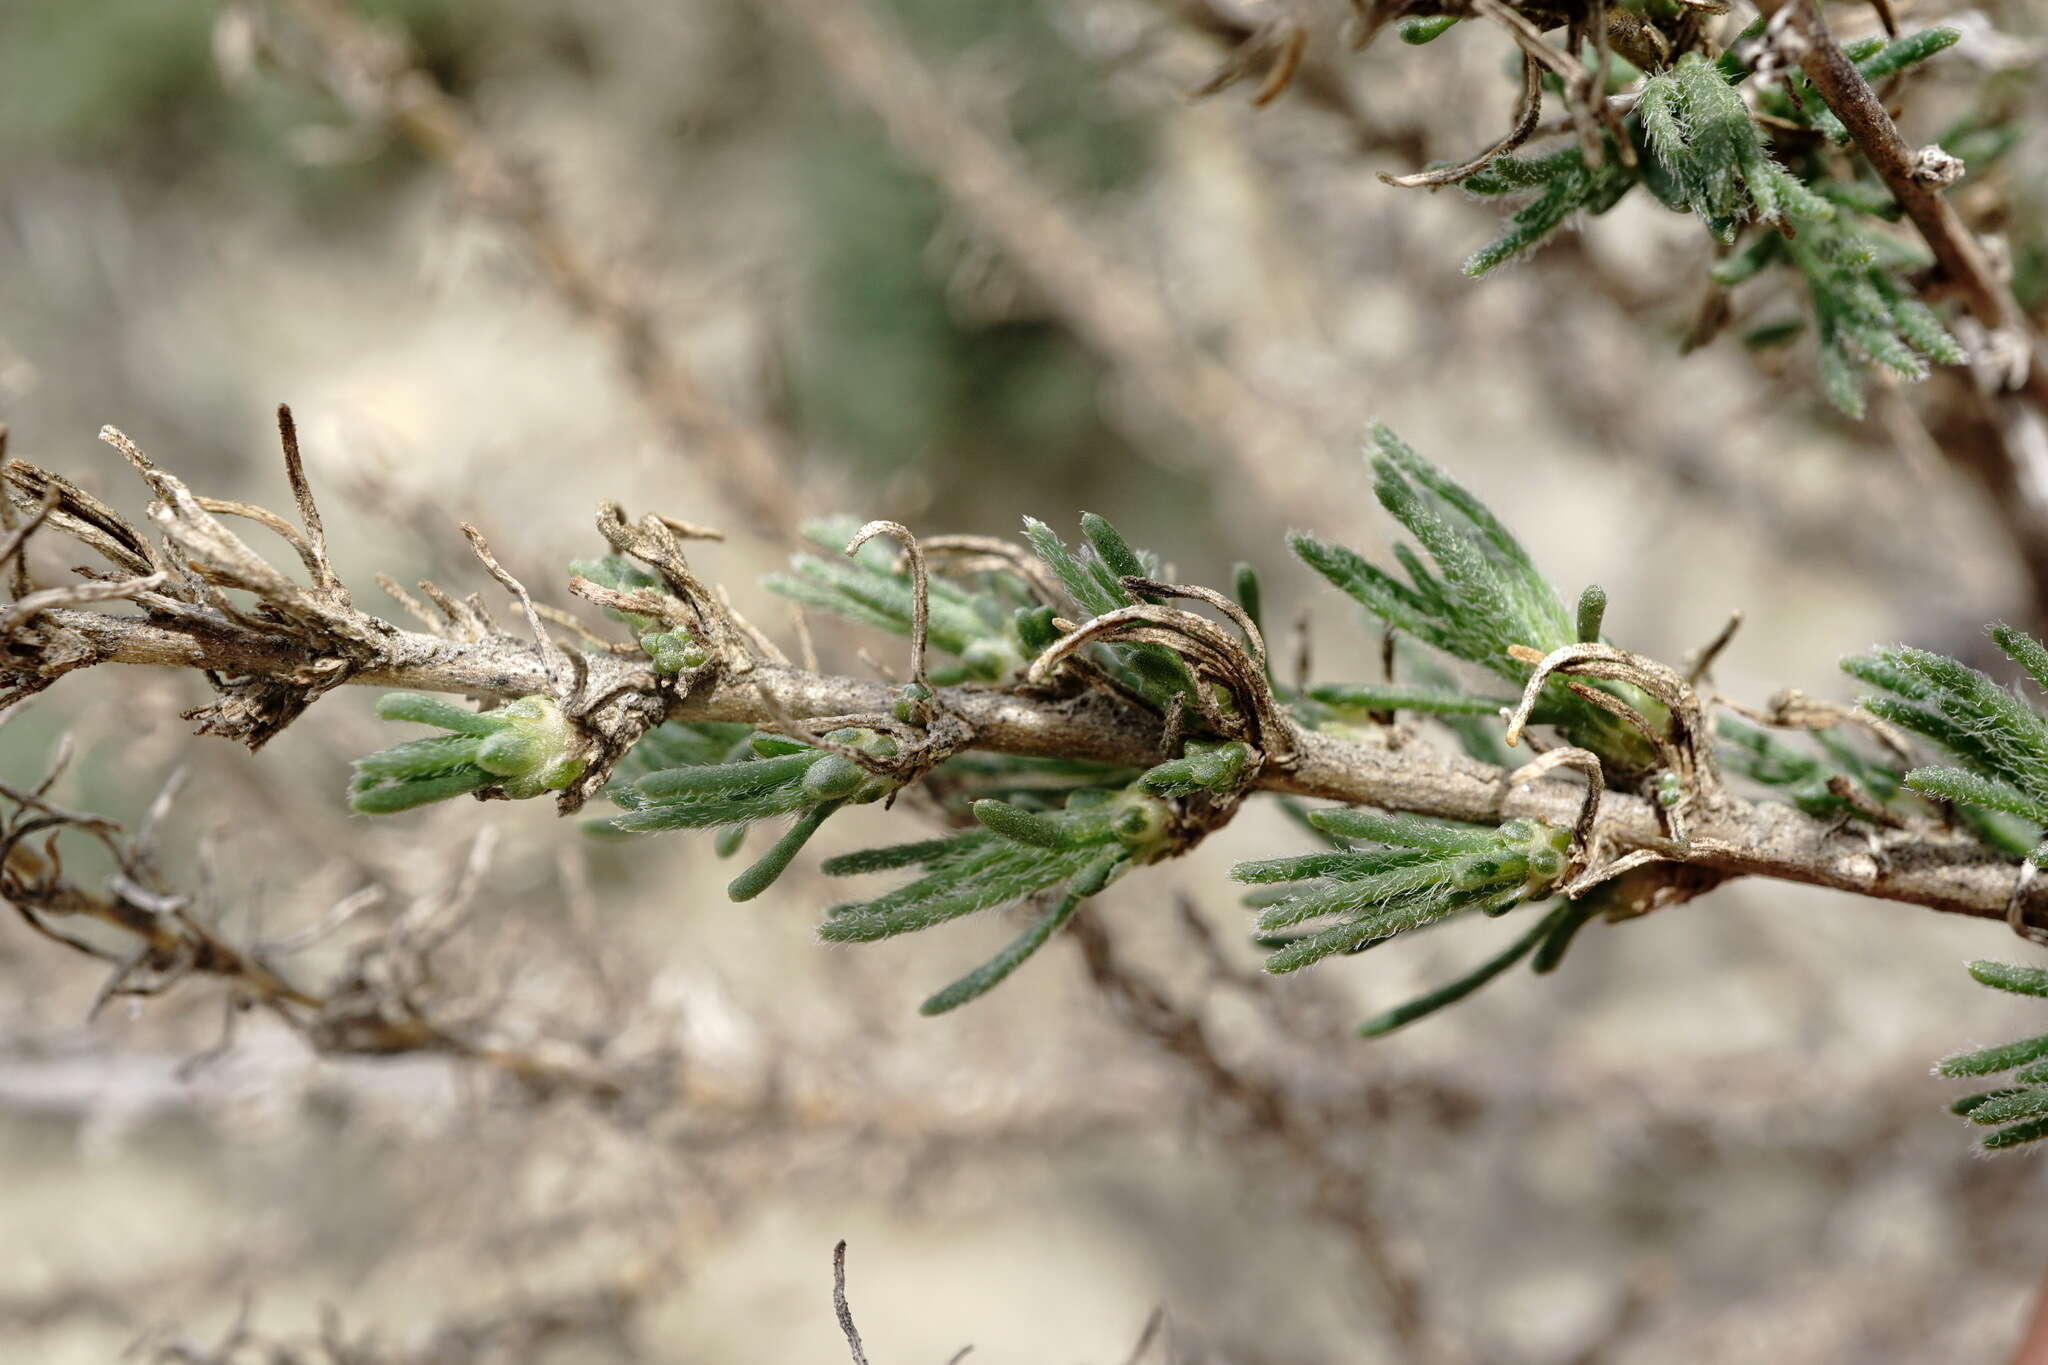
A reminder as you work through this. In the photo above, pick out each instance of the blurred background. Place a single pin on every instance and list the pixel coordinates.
(951, 264)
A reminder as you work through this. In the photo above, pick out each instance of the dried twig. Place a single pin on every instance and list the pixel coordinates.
(841, 1309)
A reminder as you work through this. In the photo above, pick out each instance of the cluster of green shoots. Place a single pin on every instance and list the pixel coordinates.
(1387, 874)
(2020, 1110)
(710, 779)
(1466, 603)
(1769, 182)
(1999, 742)
(522, 749)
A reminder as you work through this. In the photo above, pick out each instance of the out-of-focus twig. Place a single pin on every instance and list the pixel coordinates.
(1270, 447)
(1341, 1195)
(2011, 365)
(372, 71)
(378, 1006)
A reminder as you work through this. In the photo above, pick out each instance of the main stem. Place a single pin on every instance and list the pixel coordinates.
(1939, 869)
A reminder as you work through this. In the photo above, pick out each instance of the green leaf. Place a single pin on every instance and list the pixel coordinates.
(725, 778)
(1991, 1060)
(2021, 1104)
(992, 973)
(1968, 789)
(1453, 991)
(776, 860)
(425, 710)
(2010, 976)
(405, 794)
(2031, 1131)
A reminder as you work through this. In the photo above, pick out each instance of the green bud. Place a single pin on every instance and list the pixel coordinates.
(1592, 611)
(1520, 831)
(990, 660)
(1427, 29)
(1140, 823)
(913, 704)
(832, 778)
(526, 746)
(867, 741)
(1034, 629)
(674, 651)
(512, 752)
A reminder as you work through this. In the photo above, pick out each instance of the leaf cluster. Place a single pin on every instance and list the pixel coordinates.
(1386, 875)
(1017, 853)
(1560, 185)
(2019, 1110)
(1999, 740)
(1708, 155)
(521, 750)
(1863, 310)
(1700, 149)
(754, 777)
(1093, 578)
(1478, 594)
(1794, 100)
(993, 627)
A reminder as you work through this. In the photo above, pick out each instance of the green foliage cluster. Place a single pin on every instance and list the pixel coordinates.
(1560, 183)
(756, 777)
(1479, 594)
(992, 626)
(2019, 1110)
(1017, 853)
(1411, 874)
(1023, 850)
(1999, 741)
(522, 749)
(1094, 579)
(1709, 157)
(1699, 149)
(671, 649)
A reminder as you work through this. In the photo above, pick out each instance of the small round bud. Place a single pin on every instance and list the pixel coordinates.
(673, 651)
(1141, 822)
(913, 704)
(832, 778)
(866, 740)
(540, 741)
(1034, 628)
(512, 752)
